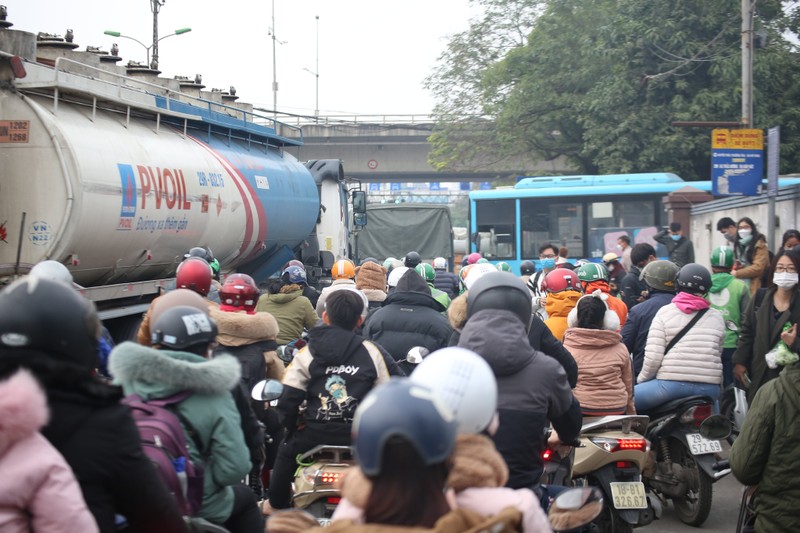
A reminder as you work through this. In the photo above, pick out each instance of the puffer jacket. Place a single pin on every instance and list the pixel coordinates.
(291, 310)
(152, 373)
(605, 377)
(239, 330)
(337, 285)
(766, 452)
(456, 521)
(38, 491)
(558, 306)
(447, 282)
(696, 357)
(634, 332)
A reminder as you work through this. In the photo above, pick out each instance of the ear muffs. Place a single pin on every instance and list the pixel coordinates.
(610, 318)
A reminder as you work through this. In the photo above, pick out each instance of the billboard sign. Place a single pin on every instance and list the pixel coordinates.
(737, 162)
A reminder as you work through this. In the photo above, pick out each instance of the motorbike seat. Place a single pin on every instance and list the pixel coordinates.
(677, 404)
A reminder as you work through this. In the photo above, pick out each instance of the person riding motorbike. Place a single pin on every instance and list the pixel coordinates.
(684, 345)
(343, 273)
(427, 272)
(593, 277)
(562, 287)
(292, 311)
(445, 280)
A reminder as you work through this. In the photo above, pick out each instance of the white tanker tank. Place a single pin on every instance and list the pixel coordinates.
(117, 177)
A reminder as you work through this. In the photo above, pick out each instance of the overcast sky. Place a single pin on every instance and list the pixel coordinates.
(373, 54)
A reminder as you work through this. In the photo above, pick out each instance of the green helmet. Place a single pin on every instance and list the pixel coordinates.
(482, 260)
(660, 275)
(426, 271)
(590, 272)
(502, 266)
(722, 257)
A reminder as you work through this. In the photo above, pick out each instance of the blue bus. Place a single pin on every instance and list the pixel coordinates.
(585, 214)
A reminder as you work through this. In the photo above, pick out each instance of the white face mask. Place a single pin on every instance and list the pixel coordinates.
(744, 233)
(785, 280)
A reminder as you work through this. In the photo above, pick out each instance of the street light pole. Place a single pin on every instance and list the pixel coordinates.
(155, 6)
(747, 63)
(316, 74)
(154, 64)
(274, 68)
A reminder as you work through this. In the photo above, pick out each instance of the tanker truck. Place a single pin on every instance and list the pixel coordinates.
(116, 173)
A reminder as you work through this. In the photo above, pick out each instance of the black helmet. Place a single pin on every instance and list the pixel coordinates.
(412, 259)
(424, 421)
(527, 268)
(500, 290)
(203, 253)
(182, 327)
(660, 275)
(693, 278)
(50, 317)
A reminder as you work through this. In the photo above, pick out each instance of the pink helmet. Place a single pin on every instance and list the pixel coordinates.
(473, 258)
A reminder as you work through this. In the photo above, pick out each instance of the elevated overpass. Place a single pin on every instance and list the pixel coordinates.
(389, 148)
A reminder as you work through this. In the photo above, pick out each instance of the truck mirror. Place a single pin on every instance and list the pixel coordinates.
(359, 219)
(360, 203)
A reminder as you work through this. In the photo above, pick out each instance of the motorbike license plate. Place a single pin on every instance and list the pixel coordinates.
(700, 445)
(629, 495)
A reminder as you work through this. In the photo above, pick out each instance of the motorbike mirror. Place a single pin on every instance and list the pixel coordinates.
(267, 390)
(415, 355)
(715, 427)
(575, 508)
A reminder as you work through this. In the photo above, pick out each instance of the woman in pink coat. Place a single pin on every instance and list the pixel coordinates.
(38, 491)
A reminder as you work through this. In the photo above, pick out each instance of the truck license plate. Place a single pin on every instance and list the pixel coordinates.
(700, 445)
(629, 495)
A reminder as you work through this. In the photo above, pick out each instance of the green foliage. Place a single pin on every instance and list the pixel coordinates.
(601, 81)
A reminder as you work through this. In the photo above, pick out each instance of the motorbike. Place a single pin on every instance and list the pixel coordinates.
(733, 406)
(682, 463)
(610, 454)
(315, 486)
(747, 510)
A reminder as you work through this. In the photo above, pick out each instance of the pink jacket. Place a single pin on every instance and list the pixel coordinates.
(38, 491)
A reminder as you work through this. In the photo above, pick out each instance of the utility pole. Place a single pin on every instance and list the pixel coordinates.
(155, 6)
(316, 109)
(747, 63)
(275, 68)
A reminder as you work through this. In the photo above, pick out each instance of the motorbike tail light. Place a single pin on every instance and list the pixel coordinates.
(547, 455)
(695, 415)
(616, 445)
(334, 500)
(327, 478)
(633, 444)
(624, 464)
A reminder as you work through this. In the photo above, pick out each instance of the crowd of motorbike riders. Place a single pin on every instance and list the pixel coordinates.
(562, 341)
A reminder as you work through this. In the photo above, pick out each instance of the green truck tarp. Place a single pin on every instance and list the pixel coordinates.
(393, 230)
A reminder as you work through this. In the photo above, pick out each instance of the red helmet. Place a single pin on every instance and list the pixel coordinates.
(194, 274)
(561, 279)
(239, 291)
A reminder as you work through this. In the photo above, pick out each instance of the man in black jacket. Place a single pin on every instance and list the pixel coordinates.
(632, 290)
(532, 388)
(409, 317)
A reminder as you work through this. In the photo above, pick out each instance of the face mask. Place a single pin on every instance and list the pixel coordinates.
(744, 233)
(547, 263)
(730, 237)
(676, 237)
(785, 280)
(619, 247)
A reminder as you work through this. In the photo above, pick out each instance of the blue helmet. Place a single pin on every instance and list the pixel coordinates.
(294, 274)
(402, 408)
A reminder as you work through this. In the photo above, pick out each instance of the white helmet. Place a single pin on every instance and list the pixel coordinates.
(478, 270)
(464, 381)
(53, 271)
(440, 263)
(396, 274)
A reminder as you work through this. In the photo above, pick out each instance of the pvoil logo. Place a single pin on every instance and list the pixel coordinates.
(128, 182)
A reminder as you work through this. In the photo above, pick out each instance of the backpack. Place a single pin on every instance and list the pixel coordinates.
(164, 443)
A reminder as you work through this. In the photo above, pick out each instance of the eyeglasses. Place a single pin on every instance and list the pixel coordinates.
(548, 256)
(789, 269)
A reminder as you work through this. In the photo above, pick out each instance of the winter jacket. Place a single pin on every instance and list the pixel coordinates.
(730, 297)
(152, 373)
(335, 286)
(766, 452)
(332, 374)
(631, 287)
(613, 303)
(532, 392)
(634, 332)
(539, 336)
(38, 491)
(477, 476)
(681, 252)
(291, 310)
(99, 440)
(696, 357)
(761, 331)
(753, 260)
(558, 306)
(456, 521)
(375, 298)
(409, 317)
(447, 282)
(605, 376)
(312, 294)
(252, 340)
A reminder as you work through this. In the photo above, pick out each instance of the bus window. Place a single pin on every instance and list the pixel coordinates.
(609, 220)
(495, 238)
(558, 223)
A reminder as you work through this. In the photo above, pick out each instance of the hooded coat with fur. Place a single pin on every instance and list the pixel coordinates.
(38, 491)
(252, 340)
(152, 373)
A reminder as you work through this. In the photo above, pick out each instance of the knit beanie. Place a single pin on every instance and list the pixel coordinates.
(371, 276)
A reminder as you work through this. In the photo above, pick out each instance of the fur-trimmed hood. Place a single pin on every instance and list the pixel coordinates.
(457, 312)
(374, 295)
(239, 329)
(23, 409)
(152, 373)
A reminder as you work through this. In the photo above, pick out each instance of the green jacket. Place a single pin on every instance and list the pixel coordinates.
(730, 297)
(291, 310)
(767, 454)
(759, 335)
(441, 297)
(152, 373)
